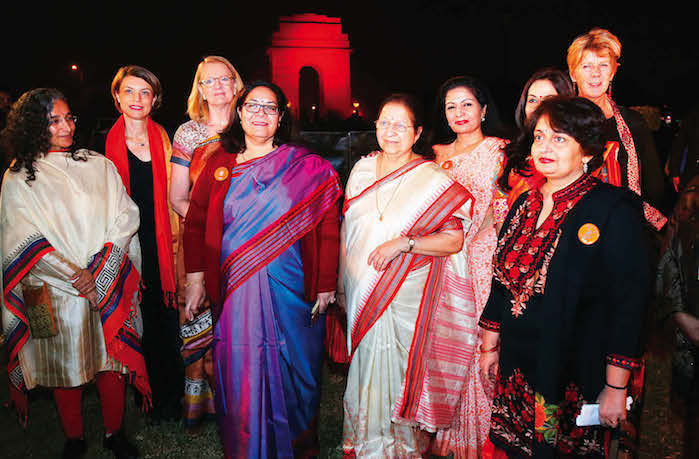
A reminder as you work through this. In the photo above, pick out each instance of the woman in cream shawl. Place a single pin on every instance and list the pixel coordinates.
(70, 271)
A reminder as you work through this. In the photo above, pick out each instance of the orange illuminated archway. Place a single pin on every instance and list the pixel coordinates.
(316, 41)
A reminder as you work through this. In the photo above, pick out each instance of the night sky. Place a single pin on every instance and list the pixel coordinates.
(398, 46)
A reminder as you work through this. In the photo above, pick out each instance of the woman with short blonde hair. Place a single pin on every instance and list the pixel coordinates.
(630, 158)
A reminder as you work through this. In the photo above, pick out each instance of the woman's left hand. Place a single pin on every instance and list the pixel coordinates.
(612, 406)
(381, 256)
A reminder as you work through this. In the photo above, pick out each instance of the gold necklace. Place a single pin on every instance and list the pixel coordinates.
(376, 195)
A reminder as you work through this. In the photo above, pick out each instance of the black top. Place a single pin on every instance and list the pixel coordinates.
(589, 315)
(651, 171)
(141, 183)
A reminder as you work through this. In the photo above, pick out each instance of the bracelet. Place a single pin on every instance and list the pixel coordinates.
(187, 284)
(616, 387)
(492, 349)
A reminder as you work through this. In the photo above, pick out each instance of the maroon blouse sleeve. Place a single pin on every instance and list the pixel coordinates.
(320, 249)
(195, 223)
(329, 249)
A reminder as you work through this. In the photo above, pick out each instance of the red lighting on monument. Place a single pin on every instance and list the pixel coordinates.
(314, 43)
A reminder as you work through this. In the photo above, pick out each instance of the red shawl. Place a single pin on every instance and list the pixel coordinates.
(159, 149)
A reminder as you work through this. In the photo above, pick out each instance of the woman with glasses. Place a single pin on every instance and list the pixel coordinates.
(404, 221)
(261, 242)
(210, 107)
(465, 114)
(140, 149)
(70, 269)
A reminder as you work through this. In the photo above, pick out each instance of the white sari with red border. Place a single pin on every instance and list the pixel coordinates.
(406, 325)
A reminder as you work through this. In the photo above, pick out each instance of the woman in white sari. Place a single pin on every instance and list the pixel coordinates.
(70, 272)
(405, 294)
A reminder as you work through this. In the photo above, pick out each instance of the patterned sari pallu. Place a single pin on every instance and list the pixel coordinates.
(425, 353)
(44, 245)
(267, 351)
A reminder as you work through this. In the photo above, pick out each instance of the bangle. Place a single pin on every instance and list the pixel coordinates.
(616, 387)
(492, 349)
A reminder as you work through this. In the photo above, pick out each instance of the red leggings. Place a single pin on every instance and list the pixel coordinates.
(110, 386)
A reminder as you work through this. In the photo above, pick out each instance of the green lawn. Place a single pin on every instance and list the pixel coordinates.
(661, 431)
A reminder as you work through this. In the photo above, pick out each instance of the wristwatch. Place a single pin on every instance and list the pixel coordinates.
(411, 244)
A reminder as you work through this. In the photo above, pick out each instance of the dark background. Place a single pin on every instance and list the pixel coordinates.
(398, 46)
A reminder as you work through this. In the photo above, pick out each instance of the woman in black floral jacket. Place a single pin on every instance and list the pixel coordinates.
(562, 326)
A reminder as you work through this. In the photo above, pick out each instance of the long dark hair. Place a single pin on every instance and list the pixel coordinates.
(233, 139)
(26, 135)
(575, 116)
(414, 107)
(442, 133)
(558, 78)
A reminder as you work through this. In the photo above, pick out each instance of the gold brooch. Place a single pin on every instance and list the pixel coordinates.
(588, 234)
(221, 174)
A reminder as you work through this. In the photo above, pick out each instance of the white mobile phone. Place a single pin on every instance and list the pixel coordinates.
(589, 413)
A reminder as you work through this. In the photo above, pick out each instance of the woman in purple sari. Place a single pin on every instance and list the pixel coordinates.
(261, 241)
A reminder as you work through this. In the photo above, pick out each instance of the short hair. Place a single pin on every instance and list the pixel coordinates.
(197, 107)
(442, 133)
(577, 117)
(416, 114)
(233, 139)
(558, 78)
(601, 41)
(142, 73)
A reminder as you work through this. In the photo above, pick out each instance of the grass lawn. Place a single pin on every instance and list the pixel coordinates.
(661, 430)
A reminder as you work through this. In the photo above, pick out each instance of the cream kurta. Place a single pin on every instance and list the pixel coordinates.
(78, 206)
(378, 367)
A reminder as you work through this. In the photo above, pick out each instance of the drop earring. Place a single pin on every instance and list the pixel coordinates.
(584, 167)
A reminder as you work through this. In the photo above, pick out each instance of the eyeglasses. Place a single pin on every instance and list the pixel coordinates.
(209, 82)
(56, 120)
(398, 127)
(252, 107)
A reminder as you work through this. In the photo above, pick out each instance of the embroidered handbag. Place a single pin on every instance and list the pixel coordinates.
(39, 311)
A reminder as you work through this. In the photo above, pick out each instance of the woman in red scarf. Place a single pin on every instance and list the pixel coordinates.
(140, 149)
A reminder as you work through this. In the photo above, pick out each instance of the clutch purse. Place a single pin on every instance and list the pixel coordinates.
(37, 302)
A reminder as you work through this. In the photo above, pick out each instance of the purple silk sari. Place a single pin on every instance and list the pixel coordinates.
(267, 353)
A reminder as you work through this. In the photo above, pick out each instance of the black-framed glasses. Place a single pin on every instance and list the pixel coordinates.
(209, 82)
(252, 107)
(56, 120)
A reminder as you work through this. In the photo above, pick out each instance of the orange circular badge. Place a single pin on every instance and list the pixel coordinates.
(447, 165)
(221, 174)
(588, 234)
